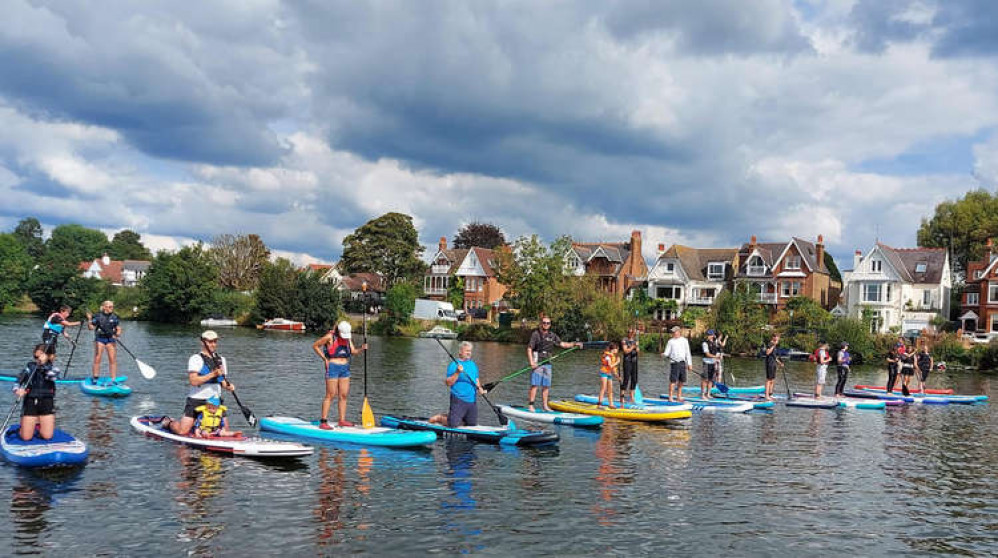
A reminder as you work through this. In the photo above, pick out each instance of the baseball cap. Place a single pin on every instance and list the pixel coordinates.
(209, 335)
(213, 400)
(344, 329)
(675, 328)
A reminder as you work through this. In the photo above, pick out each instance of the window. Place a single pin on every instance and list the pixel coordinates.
(670, 268)
(793, 262)
(756, 266)
(876, 266)
(715, 271)
(789, 288)
(978, 274)
(992, 292)
(876, 322)
(920, 267)
(973, 299)
(926, 298)
(669, 292)
(871, 292)
(994, 322)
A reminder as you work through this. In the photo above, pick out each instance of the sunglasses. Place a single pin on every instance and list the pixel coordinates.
(545, 323)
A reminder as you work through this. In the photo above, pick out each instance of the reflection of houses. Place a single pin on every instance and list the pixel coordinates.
(121, 273)
(618, 267)
(979, 301)
(902, 287)
(778, 271)
(475, 266)
(690, 276)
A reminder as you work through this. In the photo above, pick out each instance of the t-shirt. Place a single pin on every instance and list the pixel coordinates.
(464, 388)
(771, 357)
(197, 364)
(543, 344)
(709, 349)
(844, 358)
(678, 350)
(822, 355)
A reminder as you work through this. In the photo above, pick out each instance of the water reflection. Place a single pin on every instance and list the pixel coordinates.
(200, 484)
(456, 509)
(332, 477)
(33, 495)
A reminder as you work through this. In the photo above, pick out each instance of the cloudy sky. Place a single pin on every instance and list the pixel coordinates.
(695, 122)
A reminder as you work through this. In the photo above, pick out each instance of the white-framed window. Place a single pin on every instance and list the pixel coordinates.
(793, 262)
(978, 274)
(756, 266)
(871, 292)
(715, 271)
(994, 322)
(973, 299)
(920, 267)
(672, 292)
(926, 298)
(789, 288)
(992, 292)
(876, 266)
(574, 262)
(877, 322)
(670, 268)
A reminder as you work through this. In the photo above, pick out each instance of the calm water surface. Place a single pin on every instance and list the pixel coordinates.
(911, 481)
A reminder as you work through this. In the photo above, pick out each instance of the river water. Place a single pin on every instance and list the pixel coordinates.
(917, 480)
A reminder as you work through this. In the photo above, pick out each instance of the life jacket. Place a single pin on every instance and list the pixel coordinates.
(607, 361)
(107, 324)
(208, 420)
(208, 364)
(51, 329)
(38, 384)
(339, 348)
(813, 357)
(631, 357)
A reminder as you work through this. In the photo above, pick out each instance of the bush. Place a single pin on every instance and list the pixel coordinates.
(478, 332)
(987, 355)
(857, 334)
(233, 304)
(949, 348)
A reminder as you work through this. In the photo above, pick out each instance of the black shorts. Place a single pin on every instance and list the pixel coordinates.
(907, 371)
(677, 372)
(630, 379)
(708, 371)
(462, 413)
(38, 406)
(770, 371)
(191, 405)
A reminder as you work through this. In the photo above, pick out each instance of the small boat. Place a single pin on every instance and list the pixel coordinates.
(648, 414)
(61, 450)
(378, 436)
(67, 381)
(503, 435)
(260, 448)
(717, 405)
(218, 320)
(439, 332)
(550, 417)
(912, 390)
(104, 387)
(280, 324)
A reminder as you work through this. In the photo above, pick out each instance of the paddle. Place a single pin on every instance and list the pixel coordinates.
(366, 414)
(148, 372)
(247, 414)
(786, 382)
(491, 385)
(72, 351)
(502, 419)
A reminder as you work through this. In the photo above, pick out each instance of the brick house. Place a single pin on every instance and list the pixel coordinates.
(476, 266)
(618, 266)
(979, 300)
(779, 271)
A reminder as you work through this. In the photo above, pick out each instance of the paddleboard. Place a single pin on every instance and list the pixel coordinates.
(925, 399)
(9, 378)
(710, 405)
(757, 401)
(235, 445)
(377, 436)
(648, 414)
(740, 390)
(955, 399)
(811, 403)
(928, 391)
(850, 403)
(61, 450)
(489, 434)
(550, 417)
(104, 387)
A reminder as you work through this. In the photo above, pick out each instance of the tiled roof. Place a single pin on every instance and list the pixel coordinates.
(906, 261)
(355, 281)
(695, 260)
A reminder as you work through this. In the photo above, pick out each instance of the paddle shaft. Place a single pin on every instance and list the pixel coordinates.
(491, 385)
(365, 350)
(247, 414)
(31, 376)
(502, 420)
(72, 351)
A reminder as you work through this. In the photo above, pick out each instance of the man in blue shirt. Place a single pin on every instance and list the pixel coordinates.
(462, 378)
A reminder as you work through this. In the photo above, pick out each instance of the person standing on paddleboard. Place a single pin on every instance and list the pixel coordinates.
(708, 372)
(772, 362)
(462, 379)
(335, 349)
(893, 358)
(821, 357)
(207, 375)
(677, 350)
(608, 362)
(907, 359)
(844, 361)
(630, 350)
(36, 384)
(107, 328)
(923, 364)
(542, 343)
(55, 326)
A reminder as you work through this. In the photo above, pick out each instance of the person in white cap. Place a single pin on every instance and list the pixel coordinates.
(206, 373)
(677, 350)
(335, 349)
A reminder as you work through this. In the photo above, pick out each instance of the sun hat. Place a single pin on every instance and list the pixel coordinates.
(213, 400)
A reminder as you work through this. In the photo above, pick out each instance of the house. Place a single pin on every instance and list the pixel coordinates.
(690, 276)
(475, 266)
(779, 271)
(618, 266)
(121, 273)
(979, 300)
(329, 272)
(352, 287)
(904, 288)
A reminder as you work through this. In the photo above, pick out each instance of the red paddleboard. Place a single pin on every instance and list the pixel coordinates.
(910, 388)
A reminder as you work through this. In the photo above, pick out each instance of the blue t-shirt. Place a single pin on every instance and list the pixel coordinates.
(464, 388)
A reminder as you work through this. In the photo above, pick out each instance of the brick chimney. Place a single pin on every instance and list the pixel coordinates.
(752, 243)
(819, 248)
(635, 253)
(661, 248)
(443, 243)
(856, 258)
(989, 253)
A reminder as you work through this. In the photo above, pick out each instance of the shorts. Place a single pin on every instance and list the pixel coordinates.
(337, 371)
(605, 375)
(819, 376)
(105, 340)
(907, 371)
(630, 380)
(541, 376)
(677, 372)
(708, 371)
(38, 406)
(770, 371)
(462, 413)
(191, 405)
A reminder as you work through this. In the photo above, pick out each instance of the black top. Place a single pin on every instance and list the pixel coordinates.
(924, 361)
(771, 356)
(106, 324)
(39, 384)
(543, 344)
(631, 357)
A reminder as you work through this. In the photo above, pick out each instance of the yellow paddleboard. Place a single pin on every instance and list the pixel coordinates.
(647, 415)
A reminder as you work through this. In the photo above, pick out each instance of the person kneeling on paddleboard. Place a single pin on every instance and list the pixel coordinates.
(212, 421)
(462, 379)
(206, 373)
(36, 384)
(335, 349)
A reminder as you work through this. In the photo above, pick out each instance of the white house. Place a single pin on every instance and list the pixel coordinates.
(690, 276)
(904, 287)
(121, 273)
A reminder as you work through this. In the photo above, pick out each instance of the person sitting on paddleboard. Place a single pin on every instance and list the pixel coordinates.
(462, 379)
(55, 326)
(36, 384)
(542, 343)
(206, 374)
(107, 328)
(212, 420)
(335, 349)
(708, 371)
(608, 362)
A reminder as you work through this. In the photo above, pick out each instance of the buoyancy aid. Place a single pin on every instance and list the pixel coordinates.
(208, 420)
(339, 348)
(209, 364)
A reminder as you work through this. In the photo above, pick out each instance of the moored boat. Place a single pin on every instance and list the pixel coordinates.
(218, 321)
(281, 324)
(439, 332)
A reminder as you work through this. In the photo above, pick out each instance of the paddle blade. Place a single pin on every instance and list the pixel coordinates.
(490, 386)
(509, 424)
(249, 416)
(721, 387)
(638, 398)
(367, 415)
(148, 372)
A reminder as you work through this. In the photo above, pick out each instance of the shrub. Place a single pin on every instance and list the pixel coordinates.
(949, 348)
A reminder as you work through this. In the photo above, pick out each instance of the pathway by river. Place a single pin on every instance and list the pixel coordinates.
(913, 480)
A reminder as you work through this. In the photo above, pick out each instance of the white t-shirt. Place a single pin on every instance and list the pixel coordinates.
(196, 364)
(678, 350)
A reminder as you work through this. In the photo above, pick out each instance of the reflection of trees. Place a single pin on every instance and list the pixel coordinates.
(28, 506)
(199, 484)
(327, 512)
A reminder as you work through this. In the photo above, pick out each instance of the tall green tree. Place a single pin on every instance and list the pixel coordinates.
(738, 314)
(536, 275)
(455, 292)
(388, 245)
(77, 242)
(15, 263)
(963, 226)
(56, 280)
(180, 287)
(240, 260)
(127, 245)
(319, 301)
(275, 294)
(482, 235)
(29, 232)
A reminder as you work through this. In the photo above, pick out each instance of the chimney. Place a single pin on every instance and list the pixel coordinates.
(443, 243)
(856, 258)
(636, 255)
(989, 253)
(105, 259)
(752, 243)
(820, 249)
(661, 248)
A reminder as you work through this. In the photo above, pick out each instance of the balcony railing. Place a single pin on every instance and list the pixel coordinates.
(435, 291)
(705, 300)
(756, 270)
(767, 298)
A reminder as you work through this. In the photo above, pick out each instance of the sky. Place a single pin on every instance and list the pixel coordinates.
(699, 123)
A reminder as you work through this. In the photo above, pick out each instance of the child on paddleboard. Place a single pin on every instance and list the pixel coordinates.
(212, 420)
(36, 384)
(609, 361)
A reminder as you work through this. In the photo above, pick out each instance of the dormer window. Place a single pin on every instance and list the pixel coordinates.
(793, 262)
(756, 266)
(715, 271)
(920, 267)
(670, 268)
(876, 266)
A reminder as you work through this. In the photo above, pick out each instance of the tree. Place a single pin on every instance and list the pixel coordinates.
(180, 287)
(319, 301)
(482, 235)
(455, 292)
(15, 263)
(388, 245)
(29, 233)
(833, 270)
(127, 245)
(240, 260)
(536, 276)
(77, 242)
(400, 302)
(739, 315)
(56, 280)
(275, 294)
(963, 226)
